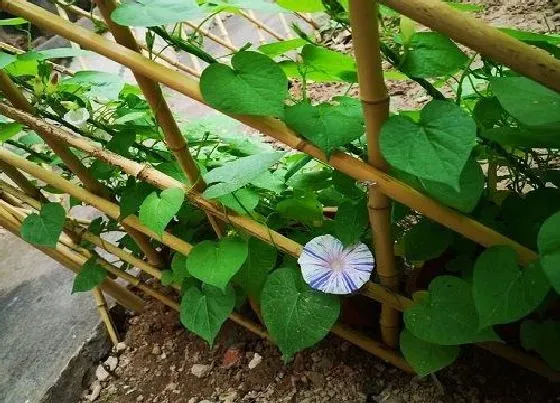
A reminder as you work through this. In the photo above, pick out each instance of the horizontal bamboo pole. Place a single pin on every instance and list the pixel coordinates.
(123, 296)
(345, 163)
(481, 37)
(109, 208)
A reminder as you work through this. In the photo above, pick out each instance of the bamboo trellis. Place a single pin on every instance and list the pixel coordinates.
(488, 41)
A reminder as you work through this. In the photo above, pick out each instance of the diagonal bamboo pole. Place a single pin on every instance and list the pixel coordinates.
(375, 104)
(19, 179)
(345, 163)
(226, 44)
(104, 314)
(16, 97)
(121, 295)
(173, 137)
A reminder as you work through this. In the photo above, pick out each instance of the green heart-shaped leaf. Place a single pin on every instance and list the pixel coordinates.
(549, 249)
(426, 358)
(447, 315)
(254, 85)
(502, 291)
(215, 263)
(204, 311)
(90, 276)
(436, 148)
(149, 13)
(156, 212)
(327, 125)
(426, 240)
(260, 261)
(44, 229)
(296, 315)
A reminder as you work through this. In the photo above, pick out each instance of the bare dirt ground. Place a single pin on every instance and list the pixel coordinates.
(161, 362)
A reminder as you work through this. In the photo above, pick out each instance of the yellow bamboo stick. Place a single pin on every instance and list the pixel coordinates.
(345, 163)
(104, 314)
(226, 44)
(250, 16)
(375, 103)
(19, 179)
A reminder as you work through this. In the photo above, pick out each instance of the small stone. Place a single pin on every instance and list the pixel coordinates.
(228, 397)
(120, 347)
(156, 350)
(256, 360)
(192, 400)
(112, 363)
(205, 401)
(140, 398)
(95, 391)
(200, 370)
(232, 358)
(101, 373)
(171, 386)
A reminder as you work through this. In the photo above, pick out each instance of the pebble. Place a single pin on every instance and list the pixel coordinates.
(205, 401)
(228, 397)
(192, 400)
(200, 370)
(95, 391)
(256, 360)
(232, 358)
(101, 373)
(112, 363)
(156, 350)
(120, 347)
(140, 398)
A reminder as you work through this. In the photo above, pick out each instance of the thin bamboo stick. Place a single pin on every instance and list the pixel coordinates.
(250, 16)
(212, 37)
(104, 314)
(284, 23)
(221, 27)
(109, 208)
(375, 104)
(19, 179)
(121, 295)
(486, 40)
(345, 163)
(16, 97)
(308, 19)
(84, 234)
(152, 92)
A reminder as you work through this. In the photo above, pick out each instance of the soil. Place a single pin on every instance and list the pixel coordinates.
(160, 357)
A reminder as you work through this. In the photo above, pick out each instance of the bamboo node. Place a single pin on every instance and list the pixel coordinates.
(381, 101)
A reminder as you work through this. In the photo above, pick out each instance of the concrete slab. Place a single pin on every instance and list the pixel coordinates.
(42, 326)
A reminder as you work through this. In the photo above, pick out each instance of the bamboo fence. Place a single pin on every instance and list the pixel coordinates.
(532, 62)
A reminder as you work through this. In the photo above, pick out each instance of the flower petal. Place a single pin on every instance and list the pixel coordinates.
(329, 267)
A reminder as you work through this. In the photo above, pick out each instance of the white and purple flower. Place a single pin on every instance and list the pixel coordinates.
(328, 266)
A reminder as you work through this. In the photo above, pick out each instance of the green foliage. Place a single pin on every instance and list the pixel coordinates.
(351, 221)
(260, 261)
(275, 49)
(9, 130)
(295, 315)
(426, 240)
(426, 358)
(544, 338)
(148, 13)
(236, 174)
(327, 125)
(254, 85)
(527, 101)
(216, 262)
(502, 291)
(302, 207)
(302, 6)
(447, 315)
(242, 201)
(549, 249)
(44, 229)
(157, 211)
(203, 311)
(436, 148)
(337, 66)
(98, 84)
(132, 196)
(431, 54)
(90, 276)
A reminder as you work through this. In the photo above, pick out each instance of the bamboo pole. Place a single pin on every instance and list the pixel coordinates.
(152, 92)
(308, 19)
(345, 163)
(250, 16)
(486, 40)
(19, 179)
(121, 295)
(375, 104)
(109, 208)
(16, 97)
(212, 37)
(104, 314)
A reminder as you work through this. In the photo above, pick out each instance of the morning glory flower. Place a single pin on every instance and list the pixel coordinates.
(328, 266)
(77, 117)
